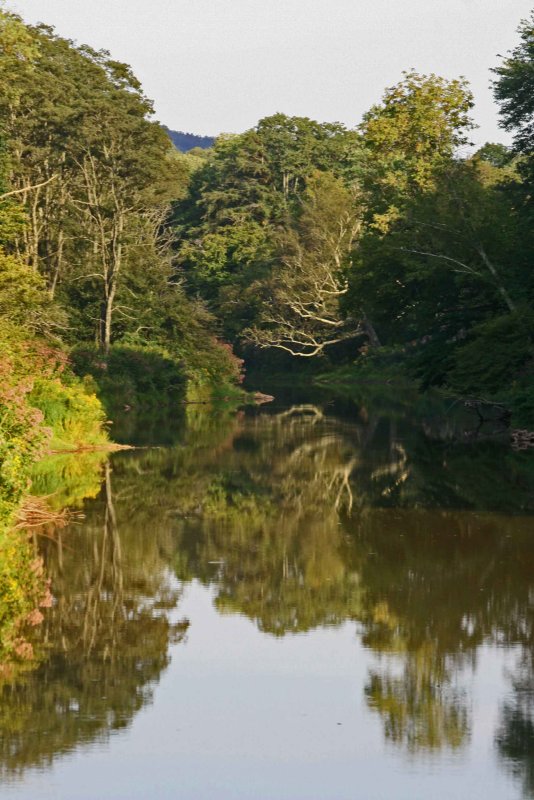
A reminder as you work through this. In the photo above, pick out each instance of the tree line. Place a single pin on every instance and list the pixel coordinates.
(297, 236)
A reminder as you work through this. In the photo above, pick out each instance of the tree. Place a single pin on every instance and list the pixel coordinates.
(301, 311)
(87, 181)
(451, 262)
(121, 160)
(17, 54)
(498, 155)
(514, 89)
(86, 167)
(297, 146)
(243, 201)
(409, 138)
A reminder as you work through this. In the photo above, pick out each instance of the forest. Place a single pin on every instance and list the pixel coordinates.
(133, 275)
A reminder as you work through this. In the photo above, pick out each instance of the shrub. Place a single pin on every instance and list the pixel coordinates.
(131, 375)
(75, 417)
(214, 371)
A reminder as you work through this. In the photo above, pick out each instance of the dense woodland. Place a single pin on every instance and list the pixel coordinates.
(131, 273)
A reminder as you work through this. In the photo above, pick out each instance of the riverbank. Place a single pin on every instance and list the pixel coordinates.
(389, 379)
(513, 404)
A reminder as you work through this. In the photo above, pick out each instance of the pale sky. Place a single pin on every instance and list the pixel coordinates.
(216, 66)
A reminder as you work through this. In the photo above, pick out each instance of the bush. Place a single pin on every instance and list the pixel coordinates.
(22, 439)
(148, 376)
(131, 375)
(214, 371)
(75, 417)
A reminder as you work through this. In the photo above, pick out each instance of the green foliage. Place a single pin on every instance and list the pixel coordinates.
(498, 155)
(23, 433)
(38, 413)
(132, 376)
(444, 284)
(514, 89)
(242, 204)
(34, 409)
(95, 178)
(215, 372)
(75, 416)
(295, 234)
(300, 311)
(23, 297)
(494, 354)
(410, 137)
(224, 253)
(81, 128)
(36, 404)
(22, 436)
(296, 147)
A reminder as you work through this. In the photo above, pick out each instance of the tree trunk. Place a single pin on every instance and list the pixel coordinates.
(368, 329)
(59, 263)
(107, 308)
(504, 294)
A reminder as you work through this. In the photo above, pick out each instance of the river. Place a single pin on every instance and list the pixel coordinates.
(294, 602)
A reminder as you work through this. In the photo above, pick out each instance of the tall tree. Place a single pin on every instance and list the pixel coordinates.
(409, 138)
(240, 203)
(301, 312)
(87, 164)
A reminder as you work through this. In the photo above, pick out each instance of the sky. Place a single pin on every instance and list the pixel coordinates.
(215, 66)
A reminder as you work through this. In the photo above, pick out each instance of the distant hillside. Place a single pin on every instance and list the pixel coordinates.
(186, 141)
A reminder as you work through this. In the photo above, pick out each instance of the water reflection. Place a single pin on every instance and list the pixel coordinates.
(297, 519)
(515, 736)
(104, 643)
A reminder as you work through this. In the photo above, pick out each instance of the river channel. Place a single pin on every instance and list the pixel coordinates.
(293, 602)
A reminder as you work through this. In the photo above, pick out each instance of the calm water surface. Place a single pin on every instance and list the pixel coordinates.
(292, 603)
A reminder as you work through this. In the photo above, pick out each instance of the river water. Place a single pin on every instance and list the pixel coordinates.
(296, 602)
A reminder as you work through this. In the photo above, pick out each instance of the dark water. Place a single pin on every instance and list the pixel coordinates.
(301, 602)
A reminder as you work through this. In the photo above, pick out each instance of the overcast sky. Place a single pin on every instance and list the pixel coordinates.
(220, 65)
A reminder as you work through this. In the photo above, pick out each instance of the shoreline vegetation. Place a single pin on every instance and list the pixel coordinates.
(139, 280)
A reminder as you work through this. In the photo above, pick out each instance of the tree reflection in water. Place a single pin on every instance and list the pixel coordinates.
(297, 520)
(310, 521)
(105, 642)
(515, 736)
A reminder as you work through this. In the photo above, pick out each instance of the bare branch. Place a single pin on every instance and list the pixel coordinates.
(26, 189)
(465, 267)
